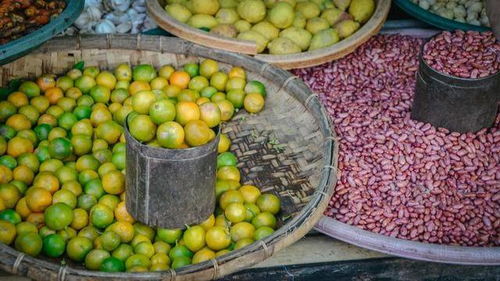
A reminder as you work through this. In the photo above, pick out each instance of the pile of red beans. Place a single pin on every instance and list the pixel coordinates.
(400, 177)
(464, 54)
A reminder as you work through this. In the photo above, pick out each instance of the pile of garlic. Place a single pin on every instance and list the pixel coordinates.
(112, 16)
(466, 11)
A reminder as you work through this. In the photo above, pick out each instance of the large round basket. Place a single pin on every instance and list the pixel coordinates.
(408, 249)
(306, 59)
(288, 149)
(21, 46)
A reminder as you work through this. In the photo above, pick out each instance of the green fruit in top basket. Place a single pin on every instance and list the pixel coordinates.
(346, 28)
(292, 3)
(342, 4)
(242, 25)
(282, 15)
(299, 36)
(227, 16)
(308, 9)
(256, 37)
(225, 30)
(323, 39)
(361, 10)
(283, 46)
(315, 25)
(207, 7)
(332, 15)
(266, 29)
(252, 10)
(178, 12)
(228, 3)
(299, 21)
(202, 21)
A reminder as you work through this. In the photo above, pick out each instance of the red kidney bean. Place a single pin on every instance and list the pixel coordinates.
(455, 58)
(400, 177)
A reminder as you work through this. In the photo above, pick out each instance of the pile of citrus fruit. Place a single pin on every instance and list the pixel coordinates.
(276, 26)
(180, 109)
(62, 165)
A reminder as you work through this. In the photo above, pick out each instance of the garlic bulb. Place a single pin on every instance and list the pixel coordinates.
(468, 11)
(117, 18)
(93, 3)
(93, 13)
(139, 6)
(105, 26)
(82, 21)
(110, 16)
(459, 12)
(424, 4)
(117, 5)
(124, 27)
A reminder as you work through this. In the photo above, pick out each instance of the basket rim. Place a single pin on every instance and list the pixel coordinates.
(298, 60)
(236, 260)
(406, 248)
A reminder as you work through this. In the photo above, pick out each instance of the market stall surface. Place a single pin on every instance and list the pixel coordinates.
(318, 257)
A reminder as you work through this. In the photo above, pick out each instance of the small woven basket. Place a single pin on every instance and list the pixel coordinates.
(288, 149)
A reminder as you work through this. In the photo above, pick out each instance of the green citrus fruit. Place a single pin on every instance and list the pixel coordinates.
(94, 259)
(53, 245)
(60, 148)
(58, 216)
(78, 248)
(143, 72)
(170, 135)
(112, 264)
(29, 243)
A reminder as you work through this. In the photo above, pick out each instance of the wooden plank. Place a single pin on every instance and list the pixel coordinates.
(386, 269)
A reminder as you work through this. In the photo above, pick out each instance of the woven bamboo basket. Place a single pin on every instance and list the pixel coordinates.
(300, 60)
(301, 170)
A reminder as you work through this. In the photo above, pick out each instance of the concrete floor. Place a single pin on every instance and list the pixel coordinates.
(310, 249)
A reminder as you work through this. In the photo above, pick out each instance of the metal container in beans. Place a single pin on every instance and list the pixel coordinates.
(458, 82)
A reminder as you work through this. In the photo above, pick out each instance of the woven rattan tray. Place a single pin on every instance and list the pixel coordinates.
(301, 169)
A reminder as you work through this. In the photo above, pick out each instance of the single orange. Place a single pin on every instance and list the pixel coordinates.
(18, 122)
(18, 145)
(113, 182)
(37, 219)
(47, 180)
(23, 173)
(38, 199)
(121, 213)
(5, 174)
(9, 194)
(187, 111)
(138, 86)
(22, 208)
(47, 119)
(46, 81)
(180, 79)
(54, 94)
(18, 99)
